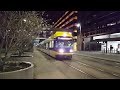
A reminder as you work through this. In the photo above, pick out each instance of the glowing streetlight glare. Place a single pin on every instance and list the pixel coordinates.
(78, 25)
(24, 20)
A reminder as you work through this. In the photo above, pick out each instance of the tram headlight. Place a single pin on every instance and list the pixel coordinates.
(61, 50)
(71, 50)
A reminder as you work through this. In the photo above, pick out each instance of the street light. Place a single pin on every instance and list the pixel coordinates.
(79, 26)
(24, 20)
(79, 37)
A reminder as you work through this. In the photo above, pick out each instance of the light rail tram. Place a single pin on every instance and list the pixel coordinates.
(59, 45)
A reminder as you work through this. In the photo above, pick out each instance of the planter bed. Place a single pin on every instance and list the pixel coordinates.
(17, 70)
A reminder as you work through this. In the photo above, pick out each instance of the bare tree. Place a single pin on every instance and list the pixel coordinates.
(17, 29)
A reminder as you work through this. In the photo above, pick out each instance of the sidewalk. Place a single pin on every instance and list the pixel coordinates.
(44, 69)
(100, 55)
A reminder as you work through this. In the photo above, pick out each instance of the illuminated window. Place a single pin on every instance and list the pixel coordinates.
(66, 18)
(111, 24)
(52, 44)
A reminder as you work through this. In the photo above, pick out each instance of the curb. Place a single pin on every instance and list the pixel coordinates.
(25, 73)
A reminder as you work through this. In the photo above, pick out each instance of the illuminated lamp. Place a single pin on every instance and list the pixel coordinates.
(64, 34)
(75, 30)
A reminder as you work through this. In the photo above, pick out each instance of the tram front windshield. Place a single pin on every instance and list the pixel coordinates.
(64, 44)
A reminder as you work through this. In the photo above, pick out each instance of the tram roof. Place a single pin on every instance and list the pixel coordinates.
(61, 33)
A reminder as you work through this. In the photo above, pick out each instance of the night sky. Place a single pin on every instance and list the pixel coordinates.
(53, 15)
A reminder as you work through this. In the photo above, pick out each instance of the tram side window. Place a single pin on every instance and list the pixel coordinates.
(51, 45)
(44, 46)
(47, 45)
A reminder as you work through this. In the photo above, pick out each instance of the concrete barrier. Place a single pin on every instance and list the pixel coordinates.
(26, 73)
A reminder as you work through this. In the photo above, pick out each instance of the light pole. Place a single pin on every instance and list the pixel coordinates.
(79, 39)
(79, 26)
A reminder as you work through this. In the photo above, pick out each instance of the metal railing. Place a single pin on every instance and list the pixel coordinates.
(111, 51)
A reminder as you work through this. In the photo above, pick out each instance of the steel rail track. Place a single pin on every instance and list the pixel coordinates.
(93, 77)
(99, 69)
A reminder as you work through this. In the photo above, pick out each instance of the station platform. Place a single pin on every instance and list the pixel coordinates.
(100, 55)
(44, 69)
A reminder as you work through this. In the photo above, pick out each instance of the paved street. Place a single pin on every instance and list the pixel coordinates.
(80, 67)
